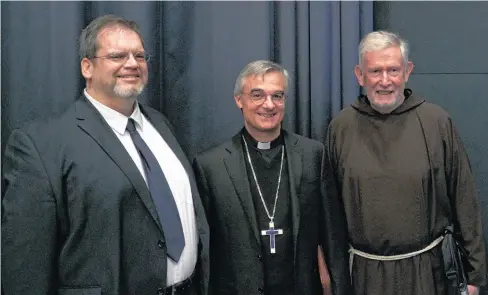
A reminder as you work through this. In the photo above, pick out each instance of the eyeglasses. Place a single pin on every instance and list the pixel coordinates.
(122, 57)
(258, 97)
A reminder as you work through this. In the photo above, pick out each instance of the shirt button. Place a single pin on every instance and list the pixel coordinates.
(260, 290)
(161, 244)
(160, 291)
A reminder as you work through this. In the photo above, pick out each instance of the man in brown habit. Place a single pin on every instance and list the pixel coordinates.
(263, 198)
(399, 166)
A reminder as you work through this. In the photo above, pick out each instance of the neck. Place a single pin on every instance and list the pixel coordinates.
(263, 136)
(122, 105)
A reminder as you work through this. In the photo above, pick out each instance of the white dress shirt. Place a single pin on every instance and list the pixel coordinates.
(175, 174)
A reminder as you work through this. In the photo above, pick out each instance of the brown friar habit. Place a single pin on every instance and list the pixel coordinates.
(400, 176)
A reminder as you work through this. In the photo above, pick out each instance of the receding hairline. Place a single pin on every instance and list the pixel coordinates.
(258, 68)
(261, 75)
(114, 28)
(252, 76)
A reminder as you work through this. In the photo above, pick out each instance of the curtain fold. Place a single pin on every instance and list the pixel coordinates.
(318, 44)
(197, 49)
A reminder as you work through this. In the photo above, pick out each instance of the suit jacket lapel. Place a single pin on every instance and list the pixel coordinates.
(236, 167)
(90, 120)
(294, 155)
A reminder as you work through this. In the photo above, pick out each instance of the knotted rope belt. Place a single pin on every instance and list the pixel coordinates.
(353, 252)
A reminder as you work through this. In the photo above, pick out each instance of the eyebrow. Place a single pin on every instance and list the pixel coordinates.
(125, 51)
(259, 89)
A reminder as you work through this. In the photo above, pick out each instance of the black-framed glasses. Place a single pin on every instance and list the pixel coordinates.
(258, 97)
(122, 57)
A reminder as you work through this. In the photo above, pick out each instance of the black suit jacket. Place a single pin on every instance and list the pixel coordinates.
(235, 257)
(78, 217)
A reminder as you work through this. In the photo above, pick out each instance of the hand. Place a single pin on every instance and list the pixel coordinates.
(473, 290)
(324, 273)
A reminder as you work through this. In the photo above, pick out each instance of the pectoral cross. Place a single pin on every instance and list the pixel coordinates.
(272, 232)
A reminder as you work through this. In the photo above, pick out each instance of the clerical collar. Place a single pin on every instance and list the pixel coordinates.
(262, 145)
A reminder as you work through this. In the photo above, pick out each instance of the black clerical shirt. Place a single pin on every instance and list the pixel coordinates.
(278, 267)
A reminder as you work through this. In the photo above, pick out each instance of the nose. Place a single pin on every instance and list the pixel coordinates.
(385, 78)
(131, 61)
(268, 102)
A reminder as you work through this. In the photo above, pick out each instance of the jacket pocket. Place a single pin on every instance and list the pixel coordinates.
(80, 291)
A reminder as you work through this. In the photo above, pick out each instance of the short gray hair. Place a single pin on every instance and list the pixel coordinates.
(380, 40)
(89, 36)
(259, 68)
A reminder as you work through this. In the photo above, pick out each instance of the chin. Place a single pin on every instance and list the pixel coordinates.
(269, 124)
(128, 92)
(267, 128)
(385, 102)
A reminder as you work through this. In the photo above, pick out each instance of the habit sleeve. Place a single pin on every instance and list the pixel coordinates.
(336, 245)
(465, 207)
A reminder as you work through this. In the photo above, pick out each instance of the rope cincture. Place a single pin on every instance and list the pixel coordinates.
(353, 252)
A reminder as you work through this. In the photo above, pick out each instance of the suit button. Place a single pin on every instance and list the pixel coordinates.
(260, 290)
(160, 291)
(260, 257)
(161, 245)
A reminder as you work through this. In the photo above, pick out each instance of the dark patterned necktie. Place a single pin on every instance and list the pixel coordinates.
(162, 197)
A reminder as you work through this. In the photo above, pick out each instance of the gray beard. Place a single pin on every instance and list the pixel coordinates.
(387, 108)
(128, 93)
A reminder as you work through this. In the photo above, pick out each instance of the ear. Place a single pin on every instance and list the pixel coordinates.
(86, 68)
(238, 101)
(408, 70)
(359, 75)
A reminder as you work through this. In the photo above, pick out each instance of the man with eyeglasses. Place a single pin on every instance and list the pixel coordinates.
(262, 194)
(400, 167)
(102, 199)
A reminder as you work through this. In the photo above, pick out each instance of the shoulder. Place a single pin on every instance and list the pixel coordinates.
(430, 111)
(344, 117)
(436, 121)
(50, 129)
(304, 142)
(45, 139)
(342, 122)
(212, 154)
(153, 114)
(147, 110)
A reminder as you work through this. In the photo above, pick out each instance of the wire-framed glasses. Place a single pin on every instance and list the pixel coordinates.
(258, 97)
(122, 57)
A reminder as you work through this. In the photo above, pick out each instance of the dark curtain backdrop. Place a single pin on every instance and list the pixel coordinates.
(198, 49)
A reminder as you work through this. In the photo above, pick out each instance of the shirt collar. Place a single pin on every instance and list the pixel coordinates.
(114, 119)
(262, 145)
